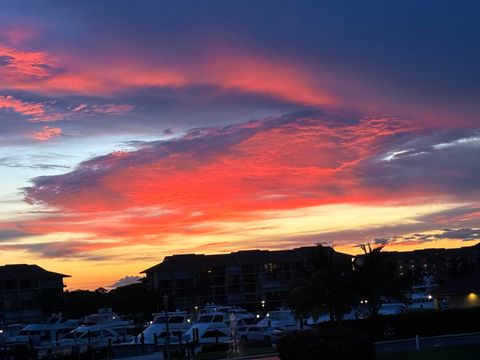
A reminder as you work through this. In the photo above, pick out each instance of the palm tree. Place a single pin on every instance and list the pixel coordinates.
(331, 282)
(300, 300)
(376, 276)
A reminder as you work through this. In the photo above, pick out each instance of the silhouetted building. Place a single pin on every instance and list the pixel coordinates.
(243, 278)
(461, 291)
(29, 293)
(249, 277)
(442, 264)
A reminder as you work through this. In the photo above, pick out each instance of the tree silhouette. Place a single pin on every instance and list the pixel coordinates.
(376, 276)
(329, 286)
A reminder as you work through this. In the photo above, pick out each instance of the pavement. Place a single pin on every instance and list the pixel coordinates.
(428, 342)
(408, 344)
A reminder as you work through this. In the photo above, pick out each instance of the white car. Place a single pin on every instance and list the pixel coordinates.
(392, 309)
(255, 333)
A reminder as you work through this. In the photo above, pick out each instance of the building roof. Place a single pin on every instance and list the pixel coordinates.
(435, 253)
(27, 272)
(192, 261)
(243, 257)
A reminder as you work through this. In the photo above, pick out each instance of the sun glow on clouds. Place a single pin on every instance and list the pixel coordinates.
(57, 73)
(278, 182)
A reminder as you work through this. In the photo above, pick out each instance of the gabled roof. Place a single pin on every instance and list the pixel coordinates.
(27, 272)
(250, 257)
(192, 261)
(243, 257)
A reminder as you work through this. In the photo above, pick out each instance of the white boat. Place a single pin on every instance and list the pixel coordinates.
(422, 301)
(50, 331)
(9, 331)
(283, 319)
(210, 328)
(242, 316)
(178, 323)
(422, 298)
(353, 314)
(99, 329)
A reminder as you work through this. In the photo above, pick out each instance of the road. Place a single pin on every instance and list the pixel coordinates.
(410, 344)
(428, 342)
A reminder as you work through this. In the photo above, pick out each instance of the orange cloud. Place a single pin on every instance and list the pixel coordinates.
(47, 133)
(61, 73)
(215, 175)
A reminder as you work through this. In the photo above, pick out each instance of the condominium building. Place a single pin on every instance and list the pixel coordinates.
(29, 293)
(248, 278)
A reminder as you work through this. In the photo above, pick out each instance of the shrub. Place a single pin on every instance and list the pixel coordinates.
(328, 344)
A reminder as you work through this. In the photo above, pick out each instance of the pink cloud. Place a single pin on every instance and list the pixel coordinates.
(47, 133)
(23, 67)
(222, 173)
(61, 73)
(44, 112)
(30, 109)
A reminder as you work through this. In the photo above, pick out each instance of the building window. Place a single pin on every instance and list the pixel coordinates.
(270, 267)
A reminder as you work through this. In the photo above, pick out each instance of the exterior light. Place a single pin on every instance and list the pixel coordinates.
(188, 320)
(267, 315)
(429, 297)
(472, 297)
(258, 316)
(151, 322)
(366, 301)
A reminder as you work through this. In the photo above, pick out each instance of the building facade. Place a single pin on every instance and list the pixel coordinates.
(441, 264)
(252, 278)
(260, 277)
(29, 293)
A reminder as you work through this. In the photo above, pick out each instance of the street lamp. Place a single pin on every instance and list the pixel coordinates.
(165, 305)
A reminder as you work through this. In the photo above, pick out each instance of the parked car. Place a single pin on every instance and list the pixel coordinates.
(392, 309)
(255, 333)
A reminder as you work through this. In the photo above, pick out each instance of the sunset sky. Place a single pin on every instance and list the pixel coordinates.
(131, 130)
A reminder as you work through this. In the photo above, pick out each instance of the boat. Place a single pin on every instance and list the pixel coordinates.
(100, 329)
(422, 298)
(178, 323)
(9, 331)
(210, 328)
(241, 316)
(283, 319)
(50, 331)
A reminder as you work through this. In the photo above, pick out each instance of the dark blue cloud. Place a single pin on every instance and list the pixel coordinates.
(417, 57)
(445, 163)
